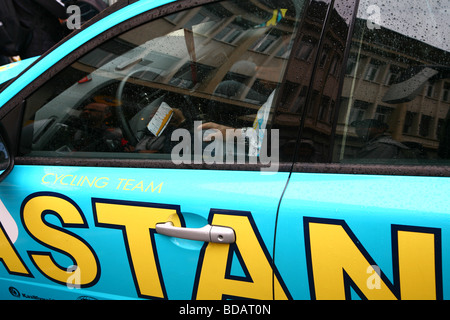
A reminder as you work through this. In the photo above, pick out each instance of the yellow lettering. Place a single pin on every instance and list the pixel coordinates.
(58, 178)
(43, 178)
(159, 186)
(140, 186)
(101, 185)
(55, 237)
(71, 182)
(128, 183)
(336, 255)
(65, 183)
(334, 252)
(136, 221)
(10, 257)
(417, 265)
(120, 183)
(88, 181)
(214, 283)
(80, 180)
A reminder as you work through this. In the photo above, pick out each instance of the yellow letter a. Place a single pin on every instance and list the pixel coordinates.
(212, 279)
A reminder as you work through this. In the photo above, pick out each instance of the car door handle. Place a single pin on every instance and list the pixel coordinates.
(208, 233)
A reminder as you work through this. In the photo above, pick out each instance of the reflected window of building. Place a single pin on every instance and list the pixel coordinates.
(446, 92)
(306, 48)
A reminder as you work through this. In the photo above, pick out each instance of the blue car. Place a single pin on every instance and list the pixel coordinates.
(236, 149)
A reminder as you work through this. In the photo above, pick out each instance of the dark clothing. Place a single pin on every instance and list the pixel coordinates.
(4, 60)
(42, 18)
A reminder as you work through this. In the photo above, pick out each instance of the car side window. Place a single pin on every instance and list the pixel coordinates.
(395, 100)
(200, 82)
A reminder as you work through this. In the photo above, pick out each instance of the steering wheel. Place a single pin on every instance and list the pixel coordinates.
(189, 109)
(125, 126)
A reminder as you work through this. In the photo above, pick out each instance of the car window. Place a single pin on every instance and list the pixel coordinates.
(197, 85)
(394, 106)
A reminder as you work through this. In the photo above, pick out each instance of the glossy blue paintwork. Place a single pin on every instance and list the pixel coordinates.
(196, 192)
(7, 72)
(369, 205)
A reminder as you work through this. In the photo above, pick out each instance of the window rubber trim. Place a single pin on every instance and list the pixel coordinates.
(373, 169)
(144, 163)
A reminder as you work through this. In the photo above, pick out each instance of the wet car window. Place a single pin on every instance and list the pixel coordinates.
(197, 84)
(394, 106)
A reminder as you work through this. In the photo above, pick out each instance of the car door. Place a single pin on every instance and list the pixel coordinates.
(117, 191)
(366, 216)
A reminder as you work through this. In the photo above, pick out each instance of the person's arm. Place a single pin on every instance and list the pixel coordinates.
(55, 7)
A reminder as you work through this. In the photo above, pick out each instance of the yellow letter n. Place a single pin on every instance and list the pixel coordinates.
(337, 261)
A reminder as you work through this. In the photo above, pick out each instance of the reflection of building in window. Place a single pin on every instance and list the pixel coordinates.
(263, 44)
(351, 65)
(409, 122)
(430, 90)
(314, 103)
(382, 113)
(377, 62)
(334, 67)
(446, 92)
(425, 123)
(372, 70)
(324, 55)
(393, 73)
(306, 48)
(358, 111)
(324, 109)
(284, 51)
(229, 34)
